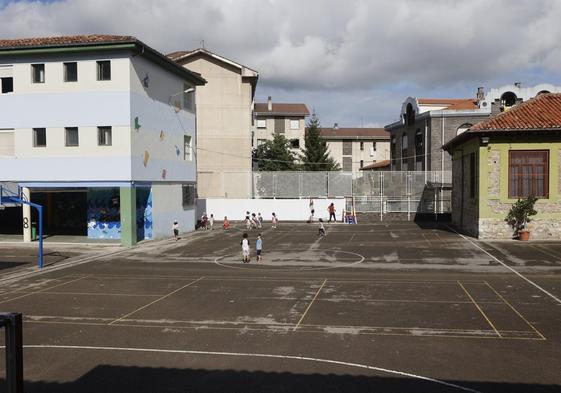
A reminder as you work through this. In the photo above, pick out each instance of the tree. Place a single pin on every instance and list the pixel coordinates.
(316, 154)
(275, 155)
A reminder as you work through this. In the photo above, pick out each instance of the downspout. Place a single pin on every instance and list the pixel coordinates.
(426, 168)
(441, 161)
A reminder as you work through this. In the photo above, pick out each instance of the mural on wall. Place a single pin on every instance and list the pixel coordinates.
(137, 124)
(104, 214)
(177, 151)
(162, 135)
(164, 174)
(144, 213)
(146, 158)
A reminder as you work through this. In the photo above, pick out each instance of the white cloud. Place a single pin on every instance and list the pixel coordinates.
(327, 45)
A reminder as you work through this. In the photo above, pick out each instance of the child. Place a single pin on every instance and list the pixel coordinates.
(245, 248)
(247, 223)
(175, 228)
(211, 221)
(321, 228)
(260, 220)
(226, 223)
(254, 222)
(331, 210)
(258, 247)
(274, 221)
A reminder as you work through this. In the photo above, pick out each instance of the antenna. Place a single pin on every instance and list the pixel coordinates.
(203, 44)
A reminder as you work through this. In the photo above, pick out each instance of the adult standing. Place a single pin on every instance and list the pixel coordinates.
(331, 210)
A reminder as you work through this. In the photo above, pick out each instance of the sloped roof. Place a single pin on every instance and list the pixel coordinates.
(450, 103)
(541, 113)
(64, 40)
(352, 133)
(281, 109)
(376, 165)
(179, 56)
(22, 46)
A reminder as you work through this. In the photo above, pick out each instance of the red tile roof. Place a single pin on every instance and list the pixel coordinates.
(376, 165)
(285, 109)
(541, 112)
(64, 40)
(347, 132)
(450, 103)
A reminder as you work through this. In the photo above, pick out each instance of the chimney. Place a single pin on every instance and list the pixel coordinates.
(480, 94)
(518, 84)
(270, 104)
(335, 126)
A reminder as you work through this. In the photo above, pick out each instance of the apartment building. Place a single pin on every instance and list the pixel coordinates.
(355, 148)
(224, 123)
(100, 130)
(288, 119)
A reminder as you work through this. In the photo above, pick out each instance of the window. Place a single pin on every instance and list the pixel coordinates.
(71, 136)
(409, 115)
(361, 163)
(279, 126)
(528, 173)
(188, 99)
(374, 146)
(7, 85)
(295, 124)
(187, 148)
(295, 143)
(189, 192)
(70, 72)
(39, 137)
(7, 143)
(472, 175)
(361, 146)
(347, 148)
(393, 152)
(404, 142)
(104, 137)
(261, 123)
(347, 164)
(104, 70)
(419, 150)
(463, 128)
(38, 73)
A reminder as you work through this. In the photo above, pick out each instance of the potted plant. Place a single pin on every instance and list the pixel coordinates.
(519, 216)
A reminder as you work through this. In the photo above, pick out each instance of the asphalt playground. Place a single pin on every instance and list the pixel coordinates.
(400, 307)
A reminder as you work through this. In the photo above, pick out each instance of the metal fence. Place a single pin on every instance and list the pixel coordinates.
(371, 192)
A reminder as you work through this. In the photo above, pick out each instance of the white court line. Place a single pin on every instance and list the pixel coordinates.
(291, 268)
(508, 267)
(255, 355)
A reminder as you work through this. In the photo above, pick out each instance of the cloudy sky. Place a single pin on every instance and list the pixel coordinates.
(352, 61)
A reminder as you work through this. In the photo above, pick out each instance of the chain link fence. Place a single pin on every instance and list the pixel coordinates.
(368, 191)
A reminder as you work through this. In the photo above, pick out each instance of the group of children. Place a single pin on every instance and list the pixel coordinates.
(246, 252)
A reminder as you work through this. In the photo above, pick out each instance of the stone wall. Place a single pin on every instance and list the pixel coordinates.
(492, 228)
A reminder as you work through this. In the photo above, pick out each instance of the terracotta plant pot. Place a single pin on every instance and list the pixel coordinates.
(524, 235)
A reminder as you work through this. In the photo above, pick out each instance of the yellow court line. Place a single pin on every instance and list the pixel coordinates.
(309, 305)
(155, 301)
(516, 311)
(480, 310)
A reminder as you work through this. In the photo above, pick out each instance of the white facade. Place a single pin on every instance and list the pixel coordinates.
(148, 131)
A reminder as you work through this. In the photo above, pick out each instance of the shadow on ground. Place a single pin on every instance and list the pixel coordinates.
(106, 378)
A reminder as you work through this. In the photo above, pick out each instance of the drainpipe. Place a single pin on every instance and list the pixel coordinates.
(441, 161)
(426, 148)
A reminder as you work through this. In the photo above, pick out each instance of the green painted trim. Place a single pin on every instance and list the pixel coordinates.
(127, 197)
(64, 49)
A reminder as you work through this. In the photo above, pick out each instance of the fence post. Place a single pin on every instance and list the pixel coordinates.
(408, 191)
(327, 182)
(12, 323)
(381, 178)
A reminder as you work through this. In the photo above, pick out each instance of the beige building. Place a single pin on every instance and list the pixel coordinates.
(224, 123)
(355, 148)
(280, 118)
